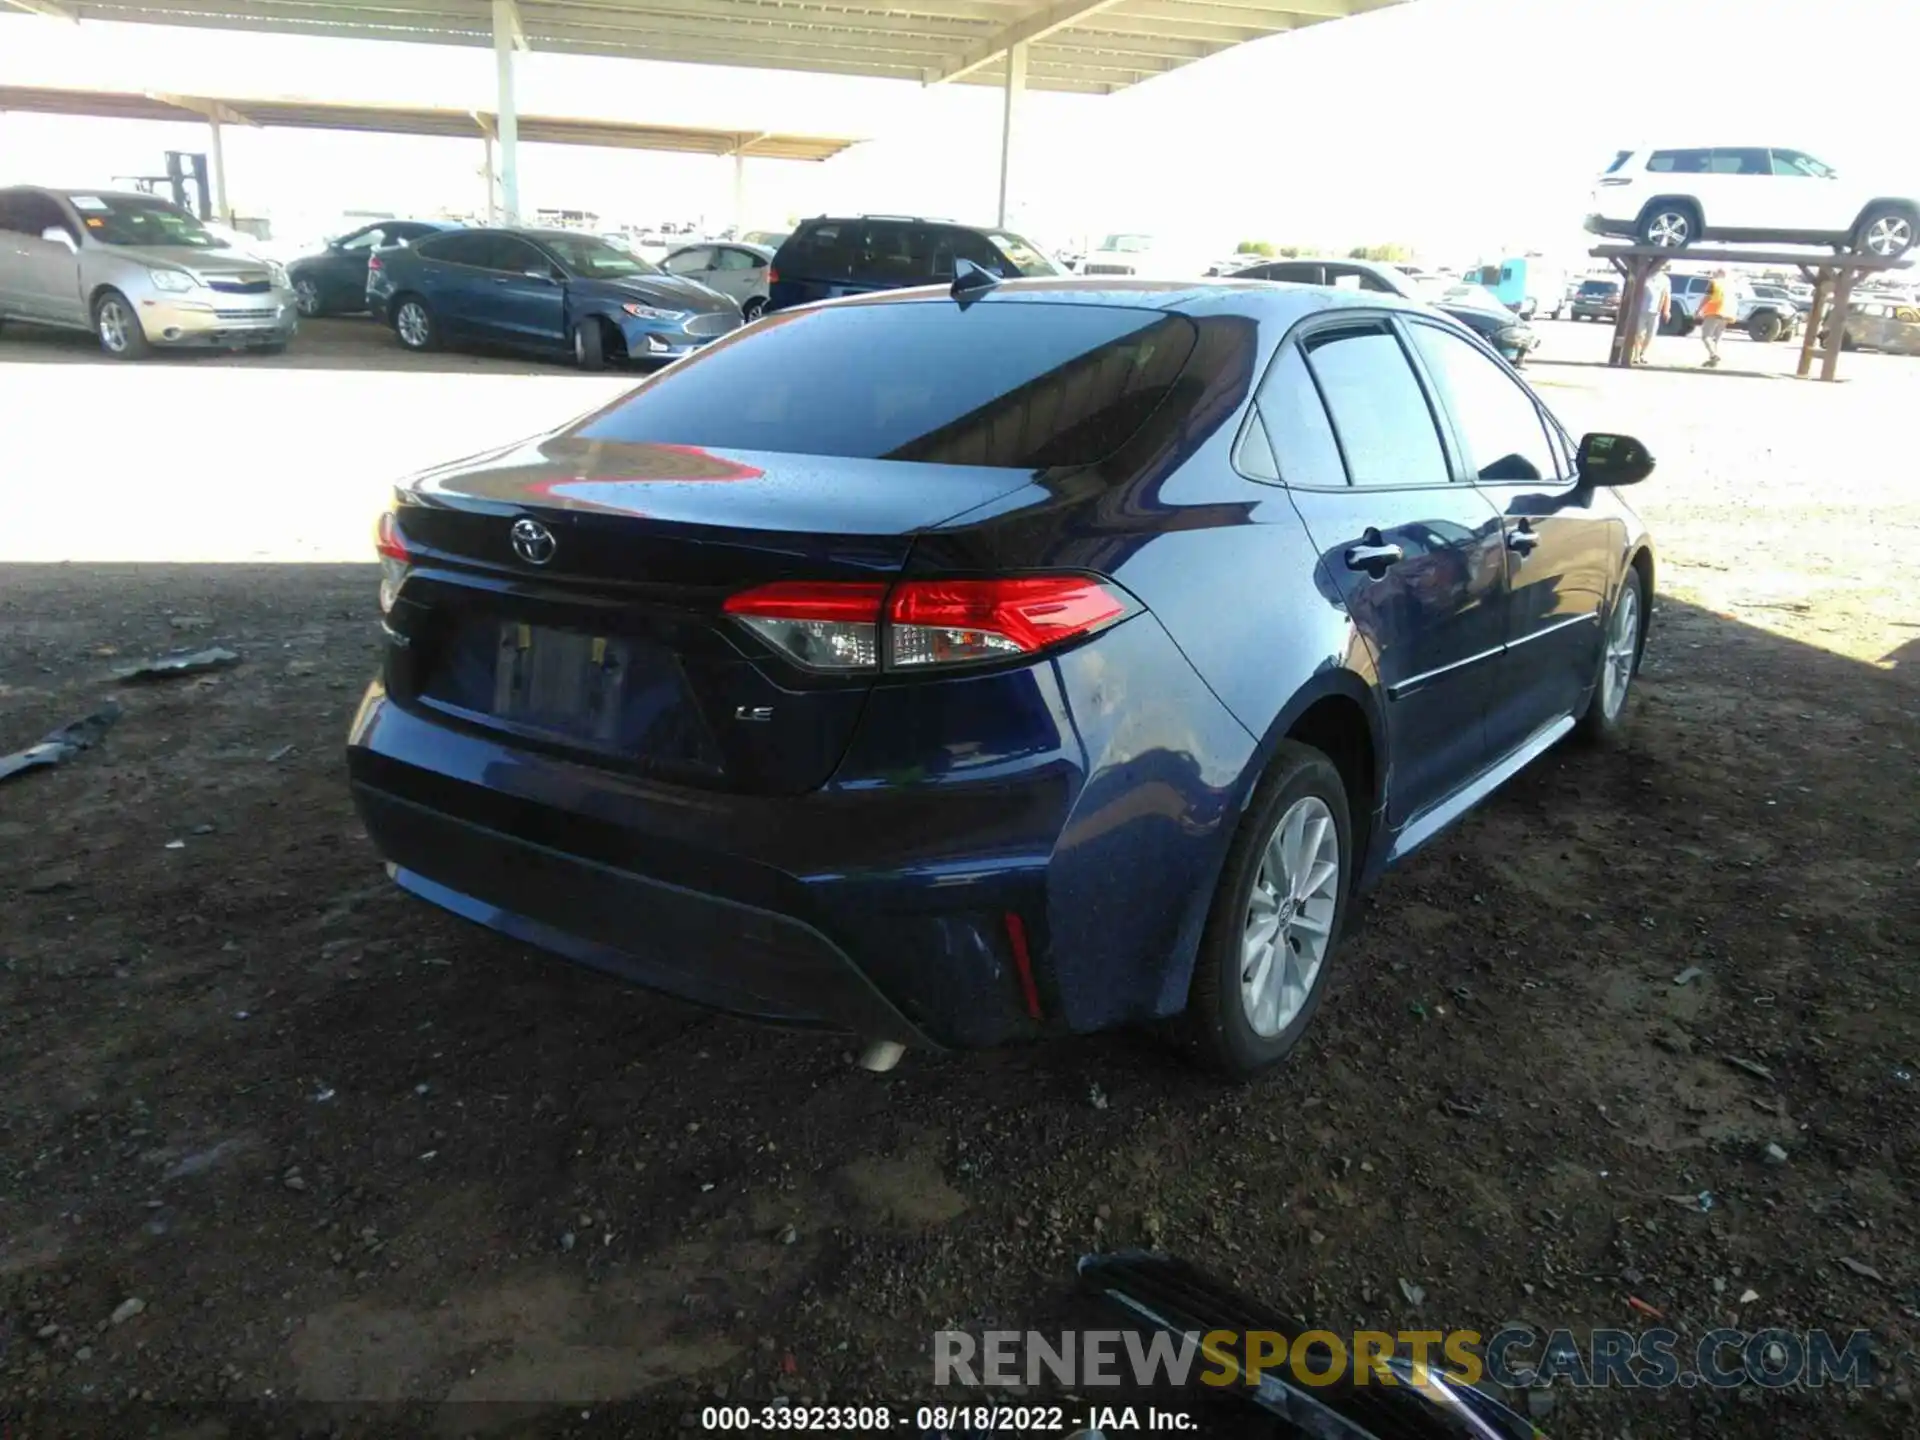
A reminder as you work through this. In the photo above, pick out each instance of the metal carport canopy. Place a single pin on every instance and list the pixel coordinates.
(1089, 46)
(301, 114)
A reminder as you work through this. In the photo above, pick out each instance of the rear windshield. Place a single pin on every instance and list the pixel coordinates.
(1598, 287)
(1022, 385)
(1025, 257)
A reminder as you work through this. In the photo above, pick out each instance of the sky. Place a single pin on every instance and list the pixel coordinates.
(1464, 129)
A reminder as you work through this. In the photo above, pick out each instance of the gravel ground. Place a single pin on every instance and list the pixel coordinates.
(369, 1169)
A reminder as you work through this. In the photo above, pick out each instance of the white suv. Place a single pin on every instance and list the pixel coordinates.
(1747, 193)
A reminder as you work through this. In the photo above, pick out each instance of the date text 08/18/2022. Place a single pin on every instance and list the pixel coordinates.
(938, 1419)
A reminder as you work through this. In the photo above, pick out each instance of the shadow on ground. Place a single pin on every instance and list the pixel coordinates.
(349, 1151)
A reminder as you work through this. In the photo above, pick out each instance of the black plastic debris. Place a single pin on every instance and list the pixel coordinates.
(178, 662)
(63, 744)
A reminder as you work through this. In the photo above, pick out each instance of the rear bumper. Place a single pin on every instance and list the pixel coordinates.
(750, 961)
(1617, 229)
(879, 903)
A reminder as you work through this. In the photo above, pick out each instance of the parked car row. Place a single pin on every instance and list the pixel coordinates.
(1472, 305)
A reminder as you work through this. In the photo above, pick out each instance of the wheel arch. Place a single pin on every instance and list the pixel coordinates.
(1691, 202)
(1904, 204)
(1337, 713)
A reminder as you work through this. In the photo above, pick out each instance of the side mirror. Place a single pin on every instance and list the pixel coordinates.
(58, 235)
(1613, 460)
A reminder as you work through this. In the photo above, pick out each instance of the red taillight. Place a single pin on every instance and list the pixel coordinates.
(939, 622)
(391, 546)
(821, 626)
(387, 539)
(837, 626)
(773, 276)
(373, 263)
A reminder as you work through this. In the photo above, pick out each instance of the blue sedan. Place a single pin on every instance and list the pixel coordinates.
(551, 292)
(960, 667)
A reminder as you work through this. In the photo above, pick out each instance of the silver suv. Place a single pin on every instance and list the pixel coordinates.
(137, 271)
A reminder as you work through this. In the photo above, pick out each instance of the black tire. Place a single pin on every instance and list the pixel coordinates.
(754, 308)
(1886, 231)
(276, 347)
(589, 344)
(116, 325)
(309, 297)
(414, 325)
(1216, 1025)
(1678, 221)
(1765, 327)
(1598, 724)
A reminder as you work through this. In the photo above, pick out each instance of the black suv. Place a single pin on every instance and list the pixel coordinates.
(832, 256)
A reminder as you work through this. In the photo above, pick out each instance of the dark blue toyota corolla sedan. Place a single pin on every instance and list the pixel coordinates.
(952, 668)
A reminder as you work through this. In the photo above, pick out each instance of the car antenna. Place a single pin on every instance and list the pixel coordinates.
(970, 281)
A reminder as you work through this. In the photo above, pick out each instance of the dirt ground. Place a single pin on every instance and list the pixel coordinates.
(372, 1170)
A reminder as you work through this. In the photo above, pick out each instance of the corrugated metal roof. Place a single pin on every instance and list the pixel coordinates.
(1093, 46)
(417, 120)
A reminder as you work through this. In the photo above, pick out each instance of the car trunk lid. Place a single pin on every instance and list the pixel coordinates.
(600, 633)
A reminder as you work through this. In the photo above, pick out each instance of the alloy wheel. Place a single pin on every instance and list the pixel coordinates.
(1623, 644)
(1669, 229)
(114, 321)
(1289, 919)
(411, 322)
(1890, 235)
(307, 296)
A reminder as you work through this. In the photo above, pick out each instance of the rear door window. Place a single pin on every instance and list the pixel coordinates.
(821, 252)
(1018, 385)
(1298, 435)
(1680, 162)
(1742, 162)
(688, 261)
(897, 252)
(1380, 414)
(514, 256)
(459, 248)
(1619, 160)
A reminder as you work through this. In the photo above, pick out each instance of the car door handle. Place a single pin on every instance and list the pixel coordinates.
(1373, 556)
(1524, 539)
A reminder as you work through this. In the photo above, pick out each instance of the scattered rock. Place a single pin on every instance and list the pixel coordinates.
(1688, 975)
(1752, 1067)
(567, 1240)
(1747, 1297)
(1416, 1295)
(295, 1180)
(278, 755)
(54, 877)
(190, 622)
(202, 829)
(788, 1235)
(1775, 1155)
(301, 667)
(178, 662)
(126, 1310)
(1862, 1269)
(1097, 1096)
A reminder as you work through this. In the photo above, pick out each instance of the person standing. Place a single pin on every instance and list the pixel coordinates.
(1715, 311)
(1656, 303)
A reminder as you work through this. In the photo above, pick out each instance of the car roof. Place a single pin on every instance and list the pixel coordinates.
(1273, 301)
(69, 191)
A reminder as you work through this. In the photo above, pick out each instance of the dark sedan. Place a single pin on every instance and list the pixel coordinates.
(954, 668)
(553, 292)
(334, 280)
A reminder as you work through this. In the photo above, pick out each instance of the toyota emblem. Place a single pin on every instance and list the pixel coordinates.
(532, 541)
